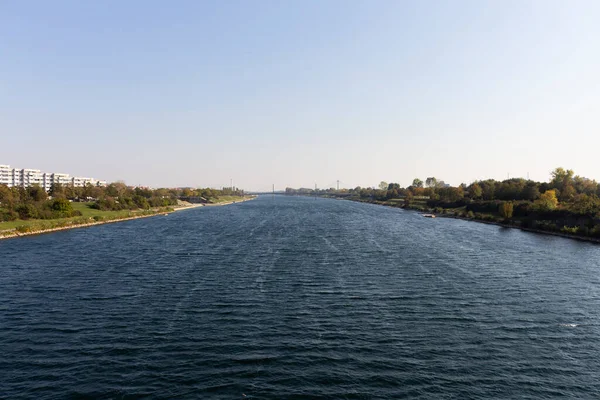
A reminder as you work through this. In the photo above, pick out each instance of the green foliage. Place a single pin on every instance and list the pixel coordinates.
(570, 230)
(417, 183)
(431, 182)
(547, 201)
(27, 211)
(8, 215)
(475, 191)
(586, 205)
(62, 207)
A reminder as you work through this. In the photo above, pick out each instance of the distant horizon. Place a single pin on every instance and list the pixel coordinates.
(268, 188)
(299, 93)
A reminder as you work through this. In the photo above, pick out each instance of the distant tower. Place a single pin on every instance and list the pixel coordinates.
(338, 185)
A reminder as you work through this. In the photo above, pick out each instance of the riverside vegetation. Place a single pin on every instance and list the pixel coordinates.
(26, 210)
(568, 204)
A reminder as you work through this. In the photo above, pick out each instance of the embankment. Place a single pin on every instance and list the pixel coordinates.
(15, 233)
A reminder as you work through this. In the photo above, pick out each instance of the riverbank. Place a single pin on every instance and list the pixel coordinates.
(533, 230)
(79, 222)
(498, 223)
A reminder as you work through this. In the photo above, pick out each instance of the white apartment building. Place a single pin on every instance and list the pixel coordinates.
(17, 177)
(81, 182)
(6, 177)
(62, 179)
(32, 177)
(29, 177)
(47, 185)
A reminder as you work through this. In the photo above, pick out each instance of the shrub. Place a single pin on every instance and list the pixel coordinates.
(571, 230)
(23, 229)
(8, 215)
(506, 210)
(27, 211)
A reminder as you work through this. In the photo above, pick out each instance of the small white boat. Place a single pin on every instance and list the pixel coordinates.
(428, 215)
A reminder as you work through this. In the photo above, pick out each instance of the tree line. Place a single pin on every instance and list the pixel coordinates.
(34, 203)
(567, 202)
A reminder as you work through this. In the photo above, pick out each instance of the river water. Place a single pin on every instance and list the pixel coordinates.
(297, 298)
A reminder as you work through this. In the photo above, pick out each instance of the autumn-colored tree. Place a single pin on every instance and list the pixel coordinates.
(475, 191)
(547, 201)
(506, 209)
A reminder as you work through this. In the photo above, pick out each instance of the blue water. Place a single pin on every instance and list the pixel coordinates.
(296, 298)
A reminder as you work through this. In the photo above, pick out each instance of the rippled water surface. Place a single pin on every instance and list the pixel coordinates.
(291, 298)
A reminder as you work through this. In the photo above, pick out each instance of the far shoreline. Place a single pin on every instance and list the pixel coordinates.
(531, 230)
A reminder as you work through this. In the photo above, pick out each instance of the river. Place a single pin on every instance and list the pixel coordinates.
(297, 298)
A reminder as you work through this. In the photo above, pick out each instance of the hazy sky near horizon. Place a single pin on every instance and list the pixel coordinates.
(194, 93)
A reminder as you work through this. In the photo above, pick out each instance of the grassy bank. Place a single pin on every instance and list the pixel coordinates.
(88, 216)
(91, 216)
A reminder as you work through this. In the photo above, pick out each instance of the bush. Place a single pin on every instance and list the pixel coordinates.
(27, 211)
(506, 210)
(23, 229)
(8, 215)
(571, 230)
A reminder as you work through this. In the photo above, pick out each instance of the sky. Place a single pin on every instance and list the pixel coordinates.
(298, 93)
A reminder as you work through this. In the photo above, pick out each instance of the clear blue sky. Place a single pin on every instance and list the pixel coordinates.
(193, 93)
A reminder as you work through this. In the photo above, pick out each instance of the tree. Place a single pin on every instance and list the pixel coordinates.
(62, 208)
(530, 191)
(586, 205)
(547, 201)
(6, 196)
(506, 210)
(567, 193)
(488, 189)
(37, 193)
(417, 183)
(475, 191)
(431, 182)
(561, 178)
(383, 185)
(408, 199)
